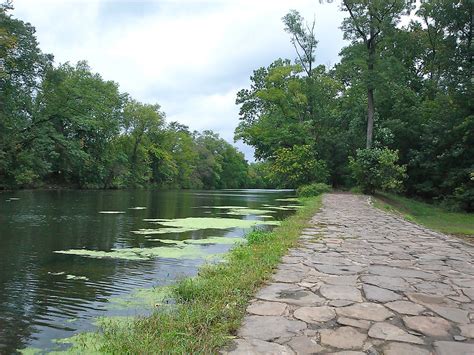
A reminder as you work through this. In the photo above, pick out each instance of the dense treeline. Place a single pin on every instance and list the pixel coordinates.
(66, 126)
(396, 111)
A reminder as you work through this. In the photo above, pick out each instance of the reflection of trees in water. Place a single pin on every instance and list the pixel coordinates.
(35, 299)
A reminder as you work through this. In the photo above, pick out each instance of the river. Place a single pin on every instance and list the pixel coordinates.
(68, 257)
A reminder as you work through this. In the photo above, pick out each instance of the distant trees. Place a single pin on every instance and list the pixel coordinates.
(65, 125)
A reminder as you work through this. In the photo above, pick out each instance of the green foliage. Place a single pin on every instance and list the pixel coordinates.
(296, 166)
(314, 189)
(377, 168)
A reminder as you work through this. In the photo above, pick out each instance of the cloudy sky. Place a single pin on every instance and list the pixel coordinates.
(190, 56)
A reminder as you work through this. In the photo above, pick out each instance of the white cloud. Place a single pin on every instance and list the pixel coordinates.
(189, 56)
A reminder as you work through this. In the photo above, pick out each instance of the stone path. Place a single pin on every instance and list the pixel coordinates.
(365, 282)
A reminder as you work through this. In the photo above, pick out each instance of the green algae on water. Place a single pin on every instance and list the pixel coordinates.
(185, 252)
(111, 212)
(137, 208)
(248, 211)
(216, 240)
(75, 277)
(143, 298)
(214, 223)
(288, 199)
(145, 231)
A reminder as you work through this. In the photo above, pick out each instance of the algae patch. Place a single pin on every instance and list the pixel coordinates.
(75, 277)
(137, 208)
(213, 223)
(248, 211)
(145, 231)
(111, 212)
(178, 252)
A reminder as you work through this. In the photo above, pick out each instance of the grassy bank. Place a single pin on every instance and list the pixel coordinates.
(433, 217)
(209, 307)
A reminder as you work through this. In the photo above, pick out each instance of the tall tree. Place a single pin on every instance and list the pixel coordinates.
(369, 21)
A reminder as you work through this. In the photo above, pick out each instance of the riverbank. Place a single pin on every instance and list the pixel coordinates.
(210, 307)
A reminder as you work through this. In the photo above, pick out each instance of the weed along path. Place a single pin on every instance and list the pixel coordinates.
(365, 282)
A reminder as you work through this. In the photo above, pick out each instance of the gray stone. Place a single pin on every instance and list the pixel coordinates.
(263, 308)
(304, 345)
(389, 283)
(469, 292)
(343, 338)
(467, 330)
(426, 299)
(404, 349)
(401, 272)
(387, 331)
(453, 314)
(315, 314)
(347, 352)
(338, 292)
(405, 307)
(256, 346)
(357, 323)
(459, 338)
(340, 280)
(452, 347)
(368, 311)
(269, 327)
(430, 326)
(339, 270)
(340, 303)
(374, 293)
(290, 294)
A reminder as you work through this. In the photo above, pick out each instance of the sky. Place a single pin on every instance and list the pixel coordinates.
(189, 56)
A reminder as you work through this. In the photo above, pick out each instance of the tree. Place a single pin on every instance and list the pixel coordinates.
(369, 21)
(139, 121)
(302, 38)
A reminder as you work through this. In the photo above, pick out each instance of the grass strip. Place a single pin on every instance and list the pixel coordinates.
(433, 217)
(210, 306)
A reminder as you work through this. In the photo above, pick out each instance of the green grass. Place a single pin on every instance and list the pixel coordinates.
(433, 217)
(210, 307)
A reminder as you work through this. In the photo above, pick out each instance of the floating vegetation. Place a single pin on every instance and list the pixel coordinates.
(225, 207)
(216, 240)
(179, 252)
(145, 231)
(293, 206)
(280, 208)
(56, 273)
(248, 211)
(288, 199)
(111, 212)
(213, 223)
(137, 208)
(143, 298)
(75, 277)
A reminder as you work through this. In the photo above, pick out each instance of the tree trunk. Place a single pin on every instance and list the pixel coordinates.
(370, 91)
(370, 116)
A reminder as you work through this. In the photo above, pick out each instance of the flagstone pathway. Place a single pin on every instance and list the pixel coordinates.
(365, 282)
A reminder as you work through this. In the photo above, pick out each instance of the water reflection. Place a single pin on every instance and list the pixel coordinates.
(39, 302)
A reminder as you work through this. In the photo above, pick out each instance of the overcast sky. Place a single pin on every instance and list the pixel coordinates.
(189, 56)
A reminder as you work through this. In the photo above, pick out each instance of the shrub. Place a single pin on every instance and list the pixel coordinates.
(298, 165)
(314, 189)
(377, 168)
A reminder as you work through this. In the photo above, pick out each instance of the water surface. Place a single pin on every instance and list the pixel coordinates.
(46, 296)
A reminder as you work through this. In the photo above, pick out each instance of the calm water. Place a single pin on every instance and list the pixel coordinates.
(39, 302)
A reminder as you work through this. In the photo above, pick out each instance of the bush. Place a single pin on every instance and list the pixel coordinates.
(377, 168)
(312, 189)
(298, 165)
